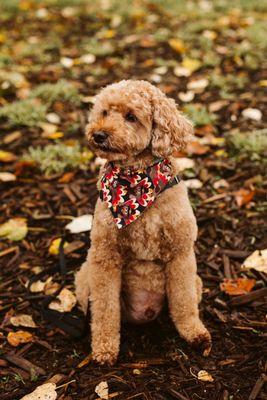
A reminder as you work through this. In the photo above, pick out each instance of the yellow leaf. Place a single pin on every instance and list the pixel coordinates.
(6, 156)
(14, 229)
(177, 45)
(2, 37)
(19, 337)
(204, 376)
(54, 135)
(108, 34)
(54, 247)
(191, 64)
(220, 153)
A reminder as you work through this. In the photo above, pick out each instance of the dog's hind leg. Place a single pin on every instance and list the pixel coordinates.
(199, 286)
(82, 286)
(143, 291)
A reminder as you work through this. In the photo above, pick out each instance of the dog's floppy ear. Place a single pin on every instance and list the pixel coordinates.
(171, 129)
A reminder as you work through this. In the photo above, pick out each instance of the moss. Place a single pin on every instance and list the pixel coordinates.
(199, 115)
(62, 90)
(248, 144)
(24, 112)
(56, 158)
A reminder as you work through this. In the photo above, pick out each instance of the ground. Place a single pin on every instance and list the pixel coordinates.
(55, 55)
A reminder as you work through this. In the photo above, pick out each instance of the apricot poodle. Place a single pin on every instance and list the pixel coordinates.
(144, 228)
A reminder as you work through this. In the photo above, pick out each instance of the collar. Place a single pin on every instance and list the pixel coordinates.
(129, 191)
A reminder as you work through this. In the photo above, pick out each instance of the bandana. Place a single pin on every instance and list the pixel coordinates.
(128, 192)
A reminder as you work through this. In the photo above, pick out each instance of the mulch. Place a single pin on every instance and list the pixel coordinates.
(154, 362)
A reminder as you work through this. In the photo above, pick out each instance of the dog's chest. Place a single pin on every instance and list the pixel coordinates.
(148, 237)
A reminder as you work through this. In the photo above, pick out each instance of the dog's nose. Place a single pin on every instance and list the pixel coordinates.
(100, 137)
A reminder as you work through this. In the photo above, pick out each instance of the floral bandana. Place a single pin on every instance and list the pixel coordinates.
(129, 192)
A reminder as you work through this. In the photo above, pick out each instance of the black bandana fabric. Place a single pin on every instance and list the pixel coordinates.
(128, 192)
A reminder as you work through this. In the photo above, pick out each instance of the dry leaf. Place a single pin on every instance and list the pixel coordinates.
(204, 376)
(80, 224)
(191, 64)
(64, 302)
(53, 118)
(23, 320)
(186, 97)
(193, 183)
(67, 177)
(244, 196)
(183, 163)
(102, 390)
(6, 156)
(198, 85)
(7, 177)
(257, 260)
(221, 183)
(54, 136)
(47, 391)
(252, 113)
(54, 246)
(237, 287)
(37, 286)
(14, 229)
(196, 147)
(177, 45)
(19, 337)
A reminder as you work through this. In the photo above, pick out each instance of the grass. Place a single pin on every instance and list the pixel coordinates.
(199, 114)
(62, 90)
(57, 158)
(248, 144)
(24, 112)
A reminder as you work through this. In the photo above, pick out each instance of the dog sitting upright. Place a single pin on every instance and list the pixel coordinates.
(144, 228)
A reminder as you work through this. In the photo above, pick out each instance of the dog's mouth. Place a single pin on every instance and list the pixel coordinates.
(106, 148)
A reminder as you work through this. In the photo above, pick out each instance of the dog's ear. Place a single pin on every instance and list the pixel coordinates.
(171, 129)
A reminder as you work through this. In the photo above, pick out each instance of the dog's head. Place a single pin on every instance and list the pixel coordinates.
(131, 117)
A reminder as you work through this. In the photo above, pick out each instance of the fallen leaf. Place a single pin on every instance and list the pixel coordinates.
(186, 96)
(67, 177)
(53, 136)
(6, 156)
(221, 183)
(177, 45)
(80, 224)
(7, 177)
(198, 85)
(54, 246)
(53, 118)
(183, 163)
(237, 287)
(191, 64)
(19, 337)
(244, 196)
(37, 287)
(181, 71)
(196, 147)
(11, 137)
(23, 320)
(88, 58)
(252, 113)
(193, 183)
(47, 391)
(14, 229)
(204, 376)
(66, 62)
(257, 260)
(64, 302)
(102, 390)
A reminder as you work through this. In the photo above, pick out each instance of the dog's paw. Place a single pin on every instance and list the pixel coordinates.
(104, 358)
(203, 343)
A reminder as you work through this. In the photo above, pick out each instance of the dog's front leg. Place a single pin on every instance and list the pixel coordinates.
(183, 300)
(105, 285)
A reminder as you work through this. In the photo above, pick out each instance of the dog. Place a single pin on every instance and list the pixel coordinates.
(144, 229)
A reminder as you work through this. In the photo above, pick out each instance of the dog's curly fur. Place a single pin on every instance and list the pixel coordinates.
(154, 255)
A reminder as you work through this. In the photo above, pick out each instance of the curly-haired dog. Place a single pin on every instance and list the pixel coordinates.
(142, 247)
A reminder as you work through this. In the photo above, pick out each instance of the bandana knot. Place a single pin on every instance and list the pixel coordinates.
(128, 191)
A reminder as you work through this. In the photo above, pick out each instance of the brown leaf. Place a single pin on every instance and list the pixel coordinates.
(19, 337)
(244, 196)
(197, 148)
(236, 287)
(67, 177)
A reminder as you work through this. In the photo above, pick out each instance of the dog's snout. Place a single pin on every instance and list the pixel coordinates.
(100, 137)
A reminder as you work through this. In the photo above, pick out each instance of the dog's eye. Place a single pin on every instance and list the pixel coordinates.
(130, 117)
(104, 113)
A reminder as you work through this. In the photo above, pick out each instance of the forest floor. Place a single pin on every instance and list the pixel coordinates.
(55, 56)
